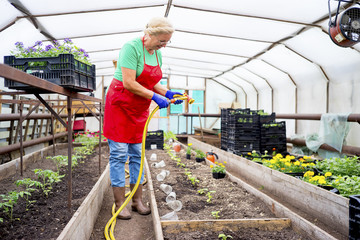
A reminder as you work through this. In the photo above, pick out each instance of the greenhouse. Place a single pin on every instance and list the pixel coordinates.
(153, 120)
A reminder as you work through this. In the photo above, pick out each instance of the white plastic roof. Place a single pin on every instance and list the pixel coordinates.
(273, 55)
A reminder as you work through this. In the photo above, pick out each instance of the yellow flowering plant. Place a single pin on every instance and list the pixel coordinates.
(287, 164)
(188, 149)
(324, 180)
(218, 167)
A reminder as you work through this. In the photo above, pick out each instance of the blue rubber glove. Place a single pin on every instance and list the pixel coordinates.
(160, 100)
(170, 95)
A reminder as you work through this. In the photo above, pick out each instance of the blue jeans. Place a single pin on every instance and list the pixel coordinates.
(119, 153)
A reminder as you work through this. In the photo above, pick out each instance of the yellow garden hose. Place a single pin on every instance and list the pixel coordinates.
(112, 221)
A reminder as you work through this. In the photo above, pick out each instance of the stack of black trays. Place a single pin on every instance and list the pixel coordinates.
(245, 130)
(154, 140)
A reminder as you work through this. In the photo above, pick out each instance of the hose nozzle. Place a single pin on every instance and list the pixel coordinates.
(183, 97)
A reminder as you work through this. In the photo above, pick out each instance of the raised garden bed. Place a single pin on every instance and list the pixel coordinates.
(317, 207)
(232, 203)
(47, 217)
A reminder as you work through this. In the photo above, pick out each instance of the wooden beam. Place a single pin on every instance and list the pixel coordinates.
(268, 224)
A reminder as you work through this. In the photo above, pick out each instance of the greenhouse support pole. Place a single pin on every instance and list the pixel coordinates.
(53, 132)
(21, 138)
(69, 127)
(100, 119)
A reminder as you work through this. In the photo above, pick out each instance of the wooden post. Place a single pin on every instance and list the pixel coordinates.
(201, 130)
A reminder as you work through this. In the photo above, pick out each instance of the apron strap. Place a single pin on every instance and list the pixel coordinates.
(143, 39)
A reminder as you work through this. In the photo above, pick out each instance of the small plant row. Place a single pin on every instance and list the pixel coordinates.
(342, 173)
(193, 179)
(45, 178)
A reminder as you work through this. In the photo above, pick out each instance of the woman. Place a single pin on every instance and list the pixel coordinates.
(135, 84)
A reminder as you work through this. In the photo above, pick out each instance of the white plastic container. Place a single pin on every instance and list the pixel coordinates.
(166, 188)
(175, 205)
(153, 157)
(171, 197)
(170, 216)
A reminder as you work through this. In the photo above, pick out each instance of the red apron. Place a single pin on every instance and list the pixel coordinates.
(125, 112)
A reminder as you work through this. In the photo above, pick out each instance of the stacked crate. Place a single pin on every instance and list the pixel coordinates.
(224, 128)
(354, 217)
(245, 130)
(154, 140)
(273, 137)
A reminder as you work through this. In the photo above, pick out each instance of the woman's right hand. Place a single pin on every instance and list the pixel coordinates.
(160, 100)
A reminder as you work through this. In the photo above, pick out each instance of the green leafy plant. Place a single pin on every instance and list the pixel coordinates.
(209, 196)
(193, 180)
(169, 135)
(199, 154)
(202, 191)
(215, 214)
(82, 151)
(346, 166)
(166, 146)
(347, 185)
(51, 50)
(60, 161)
(28, 183)
(48, 178)
(187, 172)
(8, 202)
(224, 237)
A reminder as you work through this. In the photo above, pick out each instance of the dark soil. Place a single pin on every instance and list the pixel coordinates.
(47, 217)
(231, 200)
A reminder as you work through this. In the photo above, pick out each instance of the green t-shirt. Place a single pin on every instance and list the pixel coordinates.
(132, 56)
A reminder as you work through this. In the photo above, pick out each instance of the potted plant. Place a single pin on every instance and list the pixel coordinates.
(188, 151)
(218, 170)
(200, 155)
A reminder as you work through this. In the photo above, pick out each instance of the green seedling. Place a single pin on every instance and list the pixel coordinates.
(187, 173)
(202, 191)
(208, 194)
(193, 180)
(29, 184)
(215, 214)
(8, 203)
(48, 178)
(82, 151)
(224, 237)
(60, 161)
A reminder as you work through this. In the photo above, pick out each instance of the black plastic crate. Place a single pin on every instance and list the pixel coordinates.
(63, 70)
(243, 137)
(154, 139)
(243, 146)
(267, 118)
(155, 135)
(273, 139)
(154, 144)
(273, 128)
(224, 144)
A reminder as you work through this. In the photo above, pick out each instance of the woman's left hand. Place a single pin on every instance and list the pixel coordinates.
(170, 95)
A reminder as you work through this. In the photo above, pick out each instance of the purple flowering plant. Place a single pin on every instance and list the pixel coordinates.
(51, 50)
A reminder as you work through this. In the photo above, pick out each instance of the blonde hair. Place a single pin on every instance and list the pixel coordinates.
(159, 25)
